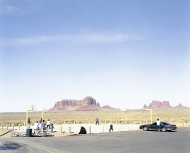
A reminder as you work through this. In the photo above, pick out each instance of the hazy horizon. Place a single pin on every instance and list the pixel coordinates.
(122, 53)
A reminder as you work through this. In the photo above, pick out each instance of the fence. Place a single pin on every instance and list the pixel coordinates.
(91, 128)
(75, 128)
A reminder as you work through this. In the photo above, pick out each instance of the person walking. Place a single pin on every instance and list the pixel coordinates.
(158, 124)
(111, 128)
(97, 121)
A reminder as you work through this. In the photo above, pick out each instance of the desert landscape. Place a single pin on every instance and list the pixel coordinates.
(65, 117)
(86, 110)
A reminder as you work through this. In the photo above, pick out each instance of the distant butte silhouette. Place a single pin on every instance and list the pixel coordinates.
(164, 105)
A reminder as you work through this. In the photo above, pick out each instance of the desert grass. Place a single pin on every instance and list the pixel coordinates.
(70, 117)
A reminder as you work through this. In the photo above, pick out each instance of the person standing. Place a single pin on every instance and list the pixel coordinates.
(36, 127)
(48, 123)
(43, 125)
(120, 120)
(29, 122)
(158, 124)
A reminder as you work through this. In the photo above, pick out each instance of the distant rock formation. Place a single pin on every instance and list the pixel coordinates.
(164, 105)
(86, 104)
(180, 106)
(107, 107)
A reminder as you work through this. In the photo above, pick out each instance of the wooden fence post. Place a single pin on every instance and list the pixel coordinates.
(128, 127)
(69, 129)
(89, 129)
(102, 128)
(119, 126)
(61, 128)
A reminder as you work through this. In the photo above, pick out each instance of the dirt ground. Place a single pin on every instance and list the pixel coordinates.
(131, 116)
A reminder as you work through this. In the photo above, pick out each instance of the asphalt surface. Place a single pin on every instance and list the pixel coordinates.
(116, 142)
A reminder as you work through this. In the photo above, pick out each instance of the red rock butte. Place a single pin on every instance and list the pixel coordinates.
(86, 104)
(164, 105)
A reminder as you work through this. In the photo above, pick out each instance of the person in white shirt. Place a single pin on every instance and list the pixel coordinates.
(158, 124)
(48, 123)
(36, 126)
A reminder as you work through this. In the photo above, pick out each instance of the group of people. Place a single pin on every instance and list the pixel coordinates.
(111, 125)
(97, 121)
(41, 125)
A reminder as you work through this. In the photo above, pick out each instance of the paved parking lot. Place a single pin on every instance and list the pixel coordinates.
(116, 142)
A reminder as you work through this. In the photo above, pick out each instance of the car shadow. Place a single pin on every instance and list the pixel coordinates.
(161, 131)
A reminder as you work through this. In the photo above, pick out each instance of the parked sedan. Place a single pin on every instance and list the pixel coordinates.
(164, 126)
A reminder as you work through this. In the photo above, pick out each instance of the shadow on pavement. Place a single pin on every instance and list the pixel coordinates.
(10, 146)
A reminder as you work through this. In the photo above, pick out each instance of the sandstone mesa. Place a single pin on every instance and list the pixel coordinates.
(164, 105)
(86, 104)
(90, 104)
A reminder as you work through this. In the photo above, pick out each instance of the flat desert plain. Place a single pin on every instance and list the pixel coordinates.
(64, 117)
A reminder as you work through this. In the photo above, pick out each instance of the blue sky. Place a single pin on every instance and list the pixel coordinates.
(123, 53)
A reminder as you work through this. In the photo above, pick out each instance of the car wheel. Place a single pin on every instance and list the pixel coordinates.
(164, 129)
(145, 128)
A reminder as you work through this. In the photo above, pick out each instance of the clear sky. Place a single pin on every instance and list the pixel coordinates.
(123, 53)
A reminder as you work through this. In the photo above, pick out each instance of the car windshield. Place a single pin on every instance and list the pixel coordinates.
(165, 123)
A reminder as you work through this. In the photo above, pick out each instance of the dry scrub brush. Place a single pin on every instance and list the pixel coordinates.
(69, 117)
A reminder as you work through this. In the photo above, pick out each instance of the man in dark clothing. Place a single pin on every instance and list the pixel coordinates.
(82, 130)
(29, 122)
(97, 121)
(111, 128)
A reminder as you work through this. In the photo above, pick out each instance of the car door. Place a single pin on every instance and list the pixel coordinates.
(153, 126)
